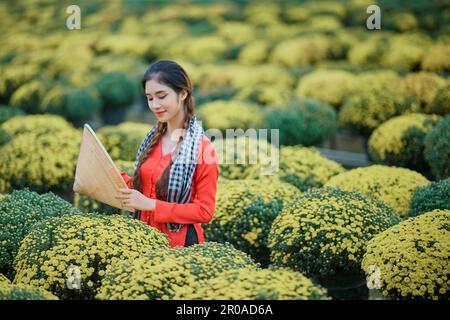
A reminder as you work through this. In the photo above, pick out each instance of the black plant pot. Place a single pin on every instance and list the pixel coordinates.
(344, 287)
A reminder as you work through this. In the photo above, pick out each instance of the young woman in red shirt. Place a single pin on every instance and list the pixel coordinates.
(174, 184)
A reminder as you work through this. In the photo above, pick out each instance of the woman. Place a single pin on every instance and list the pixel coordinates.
(176, 169)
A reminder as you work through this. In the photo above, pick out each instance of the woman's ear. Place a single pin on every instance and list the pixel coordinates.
(183, 94)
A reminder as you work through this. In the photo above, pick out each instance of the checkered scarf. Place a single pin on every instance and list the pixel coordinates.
(182, 169)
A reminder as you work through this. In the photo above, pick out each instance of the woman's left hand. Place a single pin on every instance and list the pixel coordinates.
(132, 198)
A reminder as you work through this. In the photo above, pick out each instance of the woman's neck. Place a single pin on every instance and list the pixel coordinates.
(175, 125)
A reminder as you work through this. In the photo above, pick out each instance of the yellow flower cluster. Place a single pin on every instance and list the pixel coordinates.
(365, 111)
(40, 161)
(10, 291)
(37, 124)
(122, 141)
(250, 284)
(331, 86)
(324, 231)
(302, 167)
(161, 273)
(422, 85)
(231, 114)
(394, 186)
(244, 213)
(4, 279)
(398, 141)
(55, 249)
(412, 258)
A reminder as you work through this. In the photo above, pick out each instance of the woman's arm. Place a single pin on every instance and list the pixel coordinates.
(201, 209)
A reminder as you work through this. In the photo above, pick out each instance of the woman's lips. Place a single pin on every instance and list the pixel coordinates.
(160, 113)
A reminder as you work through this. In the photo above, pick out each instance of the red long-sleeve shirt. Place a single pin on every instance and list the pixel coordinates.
(198, 210)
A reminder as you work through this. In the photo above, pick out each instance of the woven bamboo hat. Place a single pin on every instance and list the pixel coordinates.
(96, 175)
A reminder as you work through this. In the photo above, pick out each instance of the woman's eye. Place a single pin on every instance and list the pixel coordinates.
(150, 99)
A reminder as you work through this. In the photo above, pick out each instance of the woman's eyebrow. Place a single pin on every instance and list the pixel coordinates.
(147, 94)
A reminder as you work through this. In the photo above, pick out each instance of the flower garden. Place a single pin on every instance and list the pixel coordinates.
(317, 229)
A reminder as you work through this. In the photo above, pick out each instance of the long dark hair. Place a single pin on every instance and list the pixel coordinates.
(171, 74)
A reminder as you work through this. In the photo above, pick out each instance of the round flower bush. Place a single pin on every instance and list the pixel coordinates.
(161, 273)
(400, 140)
(19, 211)
(240, 155)
(116, 89)
(303, 121)
(365, 111)
(4, 279)
(436, 58)
(14, 76)
(123, 141)
(302, 167)
(28, 97)
(35, 124)
(324, 231)
(72, 252)
(423, 85)
(232, 114)
(431, 197)
(410, 260)
(300, 51)
(10, 291)
(245, 210)
(331, 86)
(73, 104)
(7, 112)
(40, 161)
(251, 284)
(441, 102)
(394, 186)
(437, 146)
(87, 204)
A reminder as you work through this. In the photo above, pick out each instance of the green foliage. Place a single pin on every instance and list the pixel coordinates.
(29, 96)
(18, 213)
(441, 102)
(431, 197)
(24, 292)
(7, 112)
(437, 149)
(303, 121)
(117, 89)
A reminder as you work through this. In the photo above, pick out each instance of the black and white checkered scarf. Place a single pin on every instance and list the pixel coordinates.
(182, 169)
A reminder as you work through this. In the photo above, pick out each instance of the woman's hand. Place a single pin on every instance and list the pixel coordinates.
(132, 198)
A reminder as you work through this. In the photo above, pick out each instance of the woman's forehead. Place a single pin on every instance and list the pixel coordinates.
(153, 87)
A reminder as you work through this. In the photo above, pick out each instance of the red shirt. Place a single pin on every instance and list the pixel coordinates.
(198, 210)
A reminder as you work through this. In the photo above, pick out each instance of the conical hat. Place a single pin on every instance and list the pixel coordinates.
(96, 175)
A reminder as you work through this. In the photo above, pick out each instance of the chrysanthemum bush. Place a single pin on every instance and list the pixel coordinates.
(440, 103)
(324, 231)
(394, 186)
(411, 258)
(301, 167)
(245, 210)
(240, 155)
(18, 213)
(422, 85)
(251, 284)
(230, 114)
(431, 197)
(331, 86)
(68, 256)
(7, 112)
(161, 273)
(122, 141)
(38, 124)
(365, 111)
(302, 121)
(87, 204)
(10, 291)
(40, 161)
(437, 146)
(400, 140)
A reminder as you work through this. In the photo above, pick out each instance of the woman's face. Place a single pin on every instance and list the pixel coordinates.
(163, 101)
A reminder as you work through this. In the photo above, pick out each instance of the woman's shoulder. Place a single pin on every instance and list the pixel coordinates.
(208, 153)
